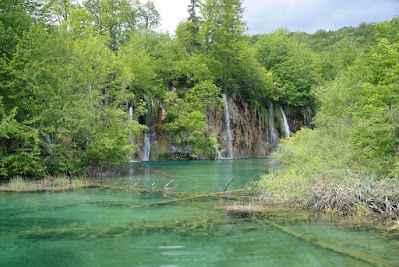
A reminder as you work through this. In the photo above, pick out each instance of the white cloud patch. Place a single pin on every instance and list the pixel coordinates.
(311, 15)
(172, 12)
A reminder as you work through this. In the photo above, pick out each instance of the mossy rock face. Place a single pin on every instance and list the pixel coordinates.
(156, 152)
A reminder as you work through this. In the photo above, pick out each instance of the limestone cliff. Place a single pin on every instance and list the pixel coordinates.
(254, 132)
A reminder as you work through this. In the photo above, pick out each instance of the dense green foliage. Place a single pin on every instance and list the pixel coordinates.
(343, 164)
(63, 88)
(70, 71)
(295, 67)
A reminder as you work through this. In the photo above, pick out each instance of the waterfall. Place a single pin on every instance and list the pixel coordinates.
(149, 140)
(218, 152)
(229, 154)
(150, 120)
(151, 117)
(285, 122)
(272, 128)
(130, 116)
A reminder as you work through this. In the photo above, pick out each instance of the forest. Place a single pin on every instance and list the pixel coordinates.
(72, 72)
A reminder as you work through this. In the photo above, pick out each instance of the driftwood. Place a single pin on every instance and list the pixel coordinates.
(182, 196)
(197, 196)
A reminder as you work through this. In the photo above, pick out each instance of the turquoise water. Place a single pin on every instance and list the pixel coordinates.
(117, 227)
(195, 176)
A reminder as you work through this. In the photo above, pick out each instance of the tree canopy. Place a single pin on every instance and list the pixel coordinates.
(70, 70)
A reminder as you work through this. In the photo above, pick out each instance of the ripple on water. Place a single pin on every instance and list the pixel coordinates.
(178, 253)
(170, 247)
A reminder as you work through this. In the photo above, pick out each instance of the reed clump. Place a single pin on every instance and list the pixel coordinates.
(348, 196)
(361, 197)
(62, 183)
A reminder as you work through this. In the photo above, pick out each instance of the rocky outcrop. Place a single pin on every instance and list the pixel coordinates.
(254, 131)
(248, 130)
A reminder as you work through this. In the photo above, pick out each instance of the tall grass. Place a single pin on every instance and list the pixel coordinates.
(19, 184)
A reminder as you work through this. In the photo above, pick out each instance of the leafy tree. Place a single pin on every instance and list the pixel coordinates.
(149, 15)
(61, 9)
(117, 18)
(294, 66)
(139, 66)
(187, 109)
(15, 19)
(222, 40)
(355, 135)
(108, 145)
(387, 30)
(193, 26)
(376, 104)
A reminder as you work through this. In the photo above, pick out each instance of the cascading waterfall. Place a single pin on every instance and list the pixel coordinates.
(285, 122)
(272, 127)
(150, 118)
(220, 156)
(149, 136)
(218, 153)
(229, 154)
(149, 140)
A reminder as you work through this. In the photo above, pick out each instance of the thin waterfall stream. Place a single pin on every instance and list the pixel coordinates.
(149, 140)
(285, 123)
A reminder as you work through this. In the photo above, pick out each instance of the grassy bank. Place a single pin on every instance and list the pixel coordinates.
(321, 172)
(19, 184)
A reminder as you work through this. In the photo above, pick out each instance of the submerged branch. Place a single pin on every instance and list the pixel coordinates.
(265, 216)
(368, 258)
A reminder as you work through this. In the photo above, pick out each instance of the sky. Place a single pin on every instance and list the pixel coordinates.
(264, 16)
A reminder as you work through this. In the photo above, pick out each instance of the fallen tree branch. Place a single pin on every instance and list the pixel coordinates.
(371, 259)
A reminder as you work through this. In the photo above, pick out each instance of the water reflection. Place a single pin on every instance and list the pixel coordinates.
(196, 176)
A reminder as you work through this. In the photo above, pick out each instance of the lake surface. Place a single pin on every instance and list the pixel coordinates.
(163, 227)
